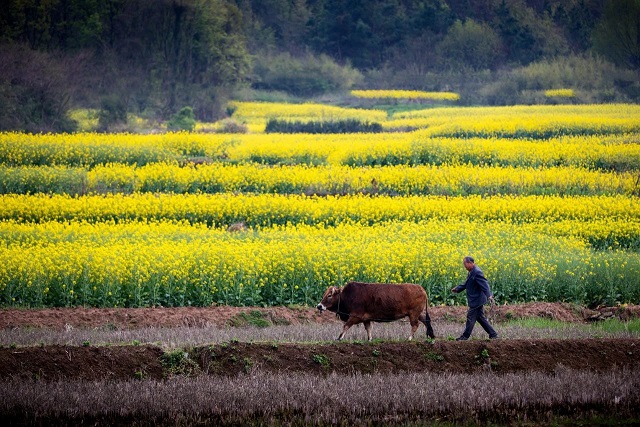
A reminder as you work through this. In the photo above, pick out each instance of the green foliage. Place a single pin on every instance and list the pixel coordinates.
(304, 76)
(183, 120)
(577, 20)
(250, 94)
(232, 126)
(156, 55)
(364, 32)
(610, 325)
(617, 35)
(321, 359)
(86, 118)
(594, 79)
(314, 127)
(112, 114)
(483, 357)
(470, 45)
(247, 364)
(614, 325)
(253, 318)
(173, 359)
(34, 93)
(178, 362)
(433, 356)
(517, 36)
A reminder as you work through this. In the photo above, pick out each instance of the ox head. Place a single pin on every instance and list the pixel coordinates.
(330, 299)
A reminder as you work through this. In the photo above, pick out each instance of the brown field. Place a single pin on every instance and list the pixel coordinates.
(49, 356)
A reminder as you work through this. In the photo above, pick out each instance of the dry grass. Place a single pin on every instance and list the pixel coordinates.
(304, 399)
(170, 338)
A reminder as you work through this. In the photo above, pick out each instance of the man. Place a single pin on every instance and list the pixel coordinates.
(478, 292)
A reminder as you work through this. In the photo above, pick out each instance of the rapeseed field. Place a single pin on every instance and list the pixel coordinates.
(544, 197)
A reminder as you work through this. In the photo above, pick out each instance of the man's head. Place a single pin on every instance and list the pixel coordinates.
(468, 263)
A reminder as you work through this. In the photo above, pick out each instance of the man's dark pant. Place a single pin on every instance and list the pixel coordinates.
(476, 314)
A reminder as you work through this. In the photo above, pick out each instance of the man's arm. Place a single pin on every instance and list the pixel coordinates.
(483, 283)
(462, 287)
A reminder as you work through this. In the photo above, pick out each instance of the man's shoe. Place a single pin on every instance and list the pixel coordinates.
(462, 339)
(495, 337)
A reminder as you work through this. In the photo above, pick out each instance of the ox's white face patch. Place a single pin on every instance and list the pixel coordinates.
(328, 299)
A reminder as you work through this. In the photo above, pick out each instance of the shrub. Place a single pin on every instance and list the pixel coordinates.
(34, 91)
(470, 45)
(305, 76)
(339, 126)
(592, 79)
(113, 112)
(183, 120)
(232, 126)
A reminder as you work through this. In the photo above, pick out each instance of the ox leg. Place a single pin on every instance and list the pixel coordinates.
(367, 327)
(426, 319)
(349, 323)
(414, 326)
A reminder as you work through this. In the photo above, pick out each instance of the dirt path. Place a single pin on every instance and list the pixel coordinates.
(131, 318)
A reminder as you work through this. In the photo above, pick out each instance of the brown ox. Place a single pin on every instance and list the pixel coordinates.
(378, 302)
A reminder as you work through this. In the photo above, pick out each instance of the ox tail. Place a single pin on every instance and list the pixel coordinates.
(427, 319)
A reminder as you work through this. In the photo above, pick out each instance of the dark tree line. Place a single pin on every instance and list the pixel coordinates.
(136, 55)
(157, 56)
(370, 33)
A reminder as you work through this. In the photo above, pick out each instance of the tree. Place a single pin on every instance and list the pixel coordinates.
(55, 24)
(363, 32)
(276, 23)
(188, 49)
(183, 120)
(34, 90)
(161, 53)
(470, 45)
(579, 25)
(433, 16)
(617, 36)
(518, 39)
(304, 76)
(112, 114)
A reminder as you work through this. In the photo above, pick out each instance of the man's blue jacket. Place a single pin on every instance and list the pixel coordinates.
(477, 286)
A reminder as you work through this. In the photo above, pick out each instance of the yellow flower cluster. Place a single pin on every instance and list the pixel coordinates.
(420, 147)
(522, 121)
(406, 94)
(559, 93)
(269, 209)
(85, 149)
(399, 180)
(618, 151)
